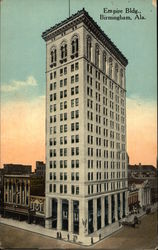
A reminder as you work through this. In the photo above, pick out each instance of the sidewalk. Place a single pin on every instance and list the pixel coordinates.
(101, 234)
(141, 213)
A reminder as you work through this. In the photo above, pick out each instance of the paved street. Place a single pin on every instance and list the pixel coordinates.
(143, 236)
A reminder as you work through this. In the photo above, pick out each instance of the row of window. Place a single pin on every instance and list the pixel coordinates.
(75, 176)
(63, 189)
(63, 52)
(75, 164)
(64, 176)
(63, 94)
(97, 188)
(63, 164)
(108, 66)
(105, 187)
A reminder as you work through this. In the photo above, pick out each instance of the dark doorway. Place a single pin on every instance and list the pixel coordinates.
(124, 204)
(118, 206)
(54, 213)
(65, 212)
(90, 217)
(106, 211)
(113, 208)
(98, 213)
(76, 217)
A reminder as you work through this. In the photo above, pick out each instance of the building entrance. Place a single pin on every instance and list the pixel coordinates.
(54, 213)
(65, 209)
(76, 217)
(90, 217)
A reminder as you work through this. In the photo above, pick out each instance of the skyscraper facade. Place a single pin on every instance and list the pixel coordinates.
(86, 169)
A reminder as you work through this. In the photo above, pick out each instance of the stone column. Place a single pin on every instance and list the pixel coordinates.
(121, 205)
(126, 203)
(109, 209)
(70, 228)
(83, 217)
(8, 191)
(48, 212)
(20, 193)
(59, 215)
(102, 212)
(16, 192)
(95, 214)
(25, 192)
(12, 193)
(116, 207)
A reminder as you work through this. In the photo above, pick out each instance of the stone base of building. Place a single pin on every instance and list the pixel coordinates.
(86, 240)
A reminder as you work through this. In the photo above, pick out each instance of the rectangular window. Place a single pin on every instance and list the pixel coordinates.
(76, 78)
(50, 188)
(65, 189)
(65, 164)
(72, 79)
(61, 83)
(72, 103)
(72, 189)
(65, 81)
(61, 189)
(72, 67)
(61, 72)
(65, 70)
(76, 101)
(72, 176)
(76, 66)
(77, 190)
(72, 91)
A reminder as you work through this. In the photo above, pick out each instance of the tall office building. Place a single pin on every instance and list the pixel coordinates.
(86, 170)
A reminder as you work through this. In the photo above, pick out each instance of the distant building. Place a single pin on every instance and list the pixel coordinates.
(133, 201)
(17, 169)
(144, 194)
(40, 168)
(1, 190)
(141, 171)
(37, 209)
(18, 193)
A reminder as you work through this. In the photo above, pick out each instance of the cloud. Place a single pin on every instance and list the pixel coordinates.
(141, 131)
(16, 85)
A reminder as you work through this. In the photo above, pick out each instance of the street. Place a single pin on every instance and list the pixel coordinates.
(144, 236)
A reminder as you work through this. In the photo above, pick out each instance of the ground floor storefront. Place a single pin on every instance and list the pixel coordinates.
(83, 217)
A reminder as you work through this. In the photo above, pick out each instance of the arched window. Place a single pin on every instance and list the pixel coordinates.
(74, 47)
(121, 77)
(110, 67)
(116, 72)
(89, 48)
(104, 62)
(53, 57)
(63, 51)
(97, 55)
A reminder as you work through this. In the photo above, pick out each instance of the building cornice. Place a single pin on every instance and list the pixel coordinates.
(82, 16)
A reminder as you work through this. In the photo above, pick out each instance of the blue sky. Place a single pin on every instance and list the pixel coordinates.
(23, 49)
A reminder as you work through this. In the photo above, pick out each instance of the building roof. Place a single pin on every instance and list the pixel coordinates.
(83, 16)
(142, 167)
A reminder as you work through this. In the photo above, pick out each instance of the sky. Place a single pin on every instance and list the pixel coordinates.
(23, 73)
